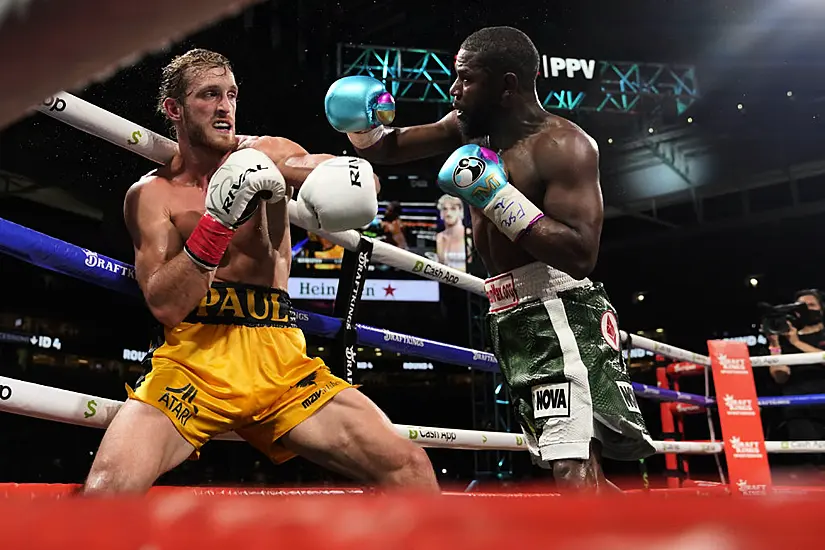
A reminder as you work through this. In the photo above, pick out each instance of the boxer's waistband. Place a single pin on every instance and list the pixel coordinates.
(244, 305)
(536, 281)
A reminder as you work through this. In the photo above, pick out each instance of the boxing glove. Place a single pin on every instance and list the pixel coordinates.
(359, 106)
(232, 197)
(476, 175)
(339, 194)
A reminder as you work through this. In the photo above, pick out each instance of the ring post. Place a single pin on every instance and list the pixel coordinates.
(350, 287)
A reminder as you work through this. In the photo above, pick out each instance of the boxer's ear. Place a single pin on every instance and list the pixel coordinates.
(510, 91)
(172, 109)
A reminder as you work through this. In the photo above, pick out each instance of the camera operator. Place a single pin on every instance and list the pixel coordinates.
(805, 333)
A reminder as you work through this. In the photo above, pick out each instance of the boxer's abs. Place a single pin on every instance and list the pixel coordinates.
(496, 250)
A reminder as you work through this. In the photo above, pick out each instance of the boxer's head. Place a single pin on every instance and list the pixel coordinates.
(393, 211)
(451, 210)
(197, 95)
(496, 68)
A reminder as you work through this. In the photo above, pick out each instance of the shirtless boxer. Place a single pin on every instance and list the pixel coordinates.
(451, 242)
(212, 253)
(532, 182)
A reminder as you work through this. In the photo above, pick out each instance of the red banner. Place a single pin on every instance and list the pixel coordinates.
(747, 459)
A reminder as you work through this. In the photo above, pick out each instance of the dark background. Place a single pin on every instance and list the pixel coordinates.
(692, 268)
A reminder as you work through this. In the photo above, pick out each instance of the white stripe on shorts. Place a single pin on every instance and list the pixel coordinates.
(568, 437)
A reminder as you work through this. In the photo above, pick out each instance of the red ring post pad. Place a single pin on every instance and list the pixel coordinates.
(400, 522)
(745, 452)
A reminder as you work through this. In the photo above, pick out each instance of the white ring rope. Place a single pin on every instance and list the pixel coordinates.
(99, 122)
(665, 349)
(119, 131)
(68, 407)
(789, 360)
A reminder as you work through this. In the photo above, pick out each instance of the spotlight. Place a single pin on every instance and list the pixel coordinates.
(443, 470)
(740, 106)
(609, 140)
(753, 282)
(650, 130)
(659, 330)
(690, 120)
(789, 93)
(639, 297)
(320, 348)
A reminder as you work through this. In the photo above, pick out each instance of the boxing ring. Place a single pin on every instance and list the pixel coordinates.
(202, 516)
(63, 406)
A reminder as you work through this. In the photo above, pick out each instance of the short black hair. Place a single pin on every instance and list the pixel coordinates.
(505, 50)
(810, 292)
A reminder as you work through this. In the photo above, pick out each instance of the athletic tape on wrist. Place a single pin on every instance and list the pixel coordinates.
(365, 140)
(512, 212)
(208, 242)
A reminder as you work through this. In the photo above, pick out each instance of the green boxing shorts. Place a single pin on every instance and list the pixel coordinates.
(558, 345)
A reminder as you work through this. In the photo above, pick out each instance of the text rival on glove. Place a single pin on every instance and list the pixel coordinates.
(354, 172)
(230, 195)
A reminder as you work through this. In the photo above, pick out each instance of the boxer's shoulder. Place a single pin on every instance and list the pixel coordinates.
(276, 148)
(153, 186)
(562, 145)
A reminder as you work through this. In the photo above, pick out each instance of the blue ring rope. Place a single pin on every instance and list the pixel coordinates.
(55, 255)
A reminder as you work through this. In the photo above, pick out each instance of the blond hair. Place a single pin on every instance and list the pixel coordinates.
(444, 199)
(177, 75)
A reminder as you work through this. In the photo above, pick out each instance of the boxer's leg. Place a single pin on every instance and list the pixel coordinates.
(324, 419)
(170, 415)
(349, 434)
(140, 445)
(583, 475)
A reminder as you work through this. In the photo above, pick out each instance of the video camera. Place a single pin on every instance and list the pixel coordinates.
(775, 319)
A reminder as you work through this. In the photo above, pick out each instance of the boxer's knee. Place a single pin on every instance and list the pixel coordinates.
(410, 467)
(106, 477)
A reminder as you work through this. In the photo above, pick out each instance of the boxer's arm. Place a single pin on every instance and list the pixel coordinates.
(172, 284)
(294, 162)
(567, 237)
(400, 145)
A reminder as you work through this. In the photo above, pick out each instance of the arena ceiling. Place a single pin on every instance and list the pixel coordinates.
(731, 165)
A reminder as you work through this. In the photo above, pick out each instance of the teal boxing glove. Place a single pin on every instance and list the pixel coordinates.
(476, 175)
(359, 106)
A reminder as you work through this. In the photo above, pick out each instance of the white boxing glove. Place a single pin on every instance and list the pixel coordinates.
(245, 176)
(339, 194)
(232, 197)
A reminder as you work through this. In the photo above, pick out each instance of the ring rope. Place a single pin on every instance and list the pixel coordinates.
(119, 131)
(99, 122)
(56, 255)
(69, 407)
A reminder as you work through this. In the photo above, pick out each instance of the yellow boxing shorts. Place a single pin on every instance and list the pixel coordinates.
(238, 363)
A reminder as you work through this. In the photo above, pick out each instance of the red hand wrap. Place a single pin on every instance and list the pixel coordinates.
(207, 243)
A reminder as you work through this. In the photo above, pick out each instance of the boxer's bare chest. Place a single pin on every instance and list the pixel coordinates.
(497, 251)
(254, 250)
